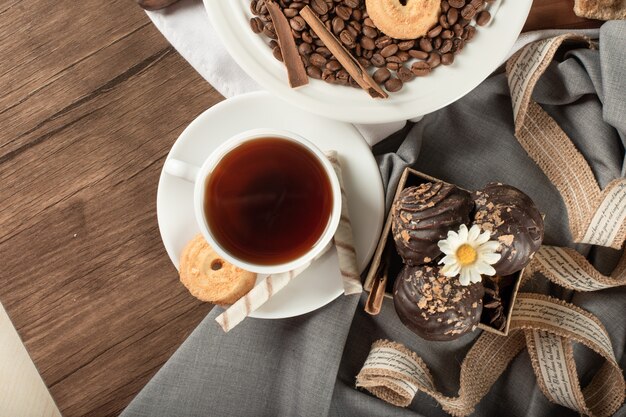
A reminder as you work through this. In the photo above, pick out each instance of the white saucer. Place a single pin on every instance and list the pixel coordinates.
(321, 283)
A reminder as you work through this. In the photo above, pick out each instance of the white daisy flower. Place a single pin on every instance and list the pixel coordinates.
(469, 254)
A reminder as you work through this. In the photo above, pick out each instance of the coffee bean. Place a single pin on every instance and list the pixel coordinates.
(393, 85)
(383, 41)
(305, 49)
(425, 45)
(392, 66)
(324, 51)
(268, 30)
(452, 16)
(445, 6)
(369, 22)
(357, 14)
(469, 32)
(351, 3)
(378, 60)
(477, 4)
(338, 25)
(437, 43)
(406, 45)
(457, 3)
(306, 37)
(342, 77)
(333, 65)
(443, 21)
(368, 43)
(277, 54)
(297, 35)
(369, 32)
(434, 32)
(447, 34)
(381, 75)
(364, 62)
(404, 74)
(420, 68)
(346, 38)
(273, 44)
(434, 59)
(483, 18)
(395, 59)
(446, 46)
(353, 31)
(356, 26)
(389, 50)
(418, 54)
(314, 72)
(458, 30)
(297, 23)
(403, 55)
(317, 60)
(447, 59)
(256, 25)
(290, 12)
(368, 54)
(343, 12)
(319, 6)
(468, 12)
(458, 45)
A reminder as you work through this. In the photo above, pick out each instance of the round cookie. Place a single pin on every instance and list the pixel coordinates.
(404, 19)
(210, 278)
(434, 306)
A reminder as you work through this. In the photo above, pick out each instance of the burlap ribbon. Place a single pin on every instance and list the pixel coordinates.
(546, 326)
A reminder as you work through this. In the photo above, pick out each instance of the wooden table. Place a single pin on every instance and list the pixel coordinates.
(91, 99)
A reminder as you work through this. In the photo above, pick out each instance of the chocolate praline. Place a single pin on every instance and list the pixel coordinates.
(514, 221)
(423, 215)
(434, 306)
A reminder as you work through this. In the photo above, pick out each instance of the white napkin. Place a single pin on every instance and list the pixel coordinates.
(186, 26)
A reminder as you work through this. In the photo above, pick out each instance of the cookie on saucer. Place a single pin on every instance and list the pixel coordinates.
(210, 278)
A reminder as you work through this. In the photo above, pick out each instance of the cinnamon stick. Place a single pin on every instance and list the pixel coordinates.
(377, 293)
(354, 67)
(291, 57)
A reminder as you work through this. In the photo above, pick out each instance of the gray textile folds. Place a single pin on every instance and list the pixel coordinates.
(305, 366)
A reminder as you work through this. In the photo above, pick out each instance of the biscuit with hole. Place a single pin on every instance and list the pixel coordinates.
(404, 19)
(210, 278)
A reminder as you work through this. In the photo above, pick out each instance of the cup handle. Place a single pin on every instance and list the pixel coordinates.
(181, 169)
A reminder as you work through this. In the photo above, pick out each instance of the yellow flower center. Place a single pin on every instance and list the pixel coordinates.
(466, 254)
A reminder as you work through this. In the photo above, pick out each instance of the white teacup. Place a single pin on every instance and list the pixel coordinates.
(200, 175)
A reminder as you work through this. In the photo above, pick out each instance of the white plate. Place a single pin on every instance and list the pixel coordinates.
(321, 283)
(481, 57)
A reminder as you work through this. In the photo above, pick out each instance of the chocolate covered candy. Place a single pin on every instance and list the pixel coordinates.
(423, 215)
(434, 306)
(514, 221)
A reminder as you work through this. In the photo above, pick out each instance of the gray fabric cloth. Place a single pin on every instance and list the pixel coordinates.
(306, 366)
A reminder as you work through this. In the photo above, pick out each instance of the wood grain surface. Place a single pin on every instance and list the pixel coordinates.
(91, 99)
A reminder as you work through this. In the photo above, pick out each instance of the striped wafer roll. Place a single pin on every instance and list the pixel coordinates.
(258, 296)
(344, 240)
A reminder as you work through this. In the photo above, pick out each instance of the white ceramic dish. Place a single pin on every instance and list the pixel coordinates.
(481, 57)
(321, 283)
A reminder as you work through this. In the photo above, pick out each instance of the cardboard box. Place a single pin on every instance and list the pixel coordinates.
(411, 177)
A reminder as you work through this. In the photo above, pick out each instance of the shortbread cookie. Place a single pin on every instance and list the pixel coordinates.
(208, 277)
(404, 19)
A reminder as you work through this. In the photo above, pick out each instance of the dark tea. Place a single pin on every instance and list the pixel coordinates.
(268, 201)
